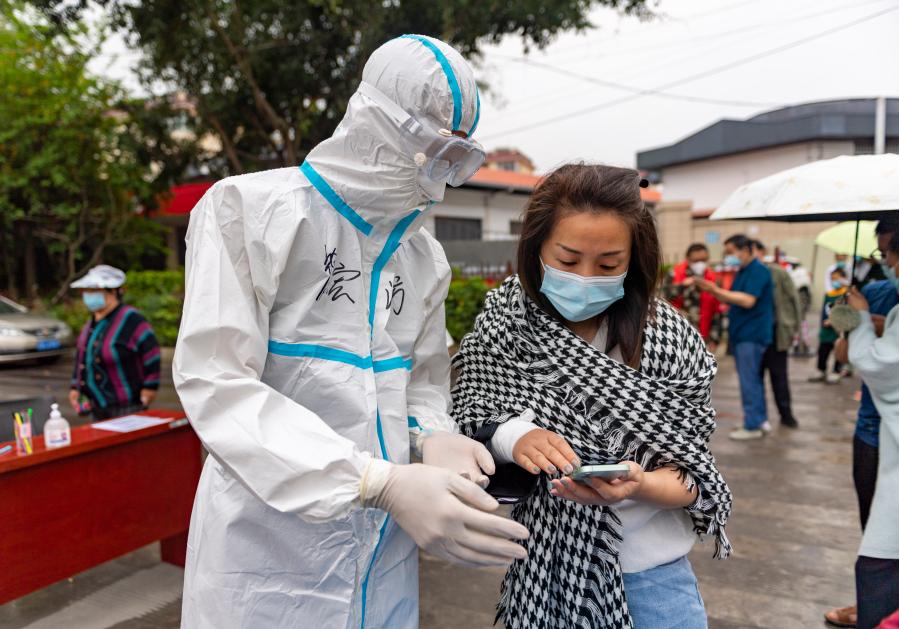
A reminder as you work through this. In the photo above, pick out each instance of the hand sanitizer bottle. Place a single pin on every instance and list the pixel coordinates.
(56, 431)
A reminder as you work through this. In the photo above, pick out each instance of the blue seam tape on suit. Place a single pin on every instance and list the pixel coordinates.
(389, 364)
(325, 189)
(370, 566)
(477, 114)
(390, 247)
(381, 441)
(319, 351)
(450, 77)
(308, 350)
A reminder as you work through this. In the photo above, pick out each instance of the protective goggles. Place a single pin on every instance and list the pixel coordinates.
(441, 155)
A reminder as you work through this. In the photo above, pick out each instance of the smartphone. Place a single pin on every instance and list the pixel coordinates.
(606, 472)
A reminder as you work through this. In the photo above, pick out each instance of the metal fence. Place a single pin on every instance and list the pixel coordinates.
(489, 259)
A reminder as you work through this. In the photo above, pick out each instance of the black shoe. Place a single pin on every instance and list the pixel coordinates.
(789, 422)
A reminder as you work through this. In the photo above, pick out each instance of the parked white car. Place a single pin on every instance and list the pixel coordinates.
(28, 336)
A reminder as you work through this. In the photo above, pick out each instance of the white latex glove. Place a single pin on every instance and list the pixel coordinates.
(444, 513)
(459, 454)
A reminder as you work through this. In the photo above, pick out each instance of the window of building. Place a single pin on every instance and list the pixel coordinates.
(457, 228)
(506, 166)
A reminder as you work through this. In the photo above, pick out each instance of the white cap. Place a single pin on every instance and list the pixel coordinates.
(54, 411)
(101, 276)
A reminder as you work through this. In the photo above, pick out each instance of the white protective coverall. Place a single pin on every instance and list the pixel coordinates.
(313, 335)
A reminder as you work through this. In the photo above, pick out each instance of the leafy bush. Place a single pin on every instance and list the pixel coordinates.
(463, 305)
(74, 313)
(159, 296)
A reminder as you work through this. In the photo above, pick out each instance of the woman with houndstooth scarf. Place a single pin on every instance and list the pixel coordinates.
(574, 361)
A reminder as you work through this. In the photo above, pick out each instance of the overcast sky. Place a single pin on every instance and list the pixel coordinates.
(688, 38)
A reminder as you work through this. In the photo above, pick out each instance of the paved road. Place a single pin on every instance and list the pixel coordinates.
(794, 529)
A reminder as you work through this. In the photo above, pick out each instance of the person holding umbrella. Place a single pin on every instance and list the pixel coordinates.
(877, 360)
(881, 297)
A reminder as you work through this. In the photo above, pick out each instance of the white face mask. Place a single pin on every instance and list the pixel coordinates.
(698, 268)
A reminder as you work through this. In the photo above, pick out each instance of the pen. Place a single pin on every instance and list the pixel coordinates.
(26, 441)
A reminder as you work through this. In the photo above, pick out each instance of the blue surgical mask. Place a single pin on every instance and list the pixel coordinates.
(732, 260)
(578, 298)
(94, 300)
(837, 284)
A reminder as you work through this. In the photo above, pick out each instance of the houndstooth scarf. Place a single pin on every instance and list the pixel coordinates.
(517, 358)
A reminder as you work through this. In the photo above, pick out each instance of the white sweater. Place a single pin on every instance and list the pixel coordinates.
(651, 536)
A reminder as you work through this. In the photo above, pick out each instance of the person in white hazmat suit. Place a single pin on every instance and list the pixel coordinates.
(312, 358)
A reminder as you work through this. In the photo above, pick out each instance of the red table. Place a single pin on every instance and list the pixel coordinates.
(65, 510)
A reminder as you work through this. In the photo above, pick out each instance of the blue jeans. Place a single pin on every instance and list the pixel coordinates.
(752, 387)
(665, 597)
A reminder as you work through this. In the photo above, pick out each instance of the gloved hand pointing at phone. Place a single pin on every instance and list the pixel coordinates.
(447, 515)
(457, 453)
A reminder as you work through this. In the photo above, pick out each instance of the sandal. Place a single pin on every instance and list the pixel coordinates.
(842, 616)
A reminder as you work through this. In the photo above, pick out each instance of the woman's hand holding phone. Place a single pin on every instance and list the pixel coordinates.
(543, 450)
(598, 491)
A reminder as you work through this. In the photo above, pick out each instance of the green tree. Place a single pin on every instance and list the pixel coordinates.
(78, 161)
(271, 79)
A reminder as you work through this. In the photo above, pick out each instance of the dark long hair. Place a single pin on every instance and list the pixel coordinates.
(595, 188)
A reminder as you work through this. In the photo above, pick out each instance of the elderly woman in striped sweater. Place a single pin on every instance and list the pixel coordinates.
(117, 355)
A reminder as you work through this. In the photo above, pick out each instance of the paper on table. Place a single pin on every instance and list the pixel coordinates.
(129, 423)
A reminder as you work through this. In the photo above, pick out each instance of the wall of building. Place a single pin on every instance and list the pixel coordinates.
(675, 228)
(708, 182)
(497, 209)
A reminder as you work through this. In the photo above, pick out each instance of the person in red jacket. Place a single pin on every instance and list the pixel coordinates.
(699, 306)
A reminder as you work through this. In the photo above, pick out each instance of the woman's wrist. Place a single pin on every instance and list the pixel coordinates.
(648, 487)
(507, 435)
(663, 488)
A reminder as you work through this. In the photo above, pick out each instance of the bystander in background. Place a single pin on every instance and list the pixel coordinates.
(699, 306)
(841, 262)
(750, 330)
(117, 354)
(787, 319)
(827, 336)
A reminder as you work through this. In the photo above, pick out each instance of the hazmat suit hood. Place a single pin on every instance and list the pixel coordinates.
(365, 161)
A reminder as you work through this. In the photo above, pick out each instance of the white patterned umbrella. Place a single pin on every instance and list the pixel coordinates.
(851, 187)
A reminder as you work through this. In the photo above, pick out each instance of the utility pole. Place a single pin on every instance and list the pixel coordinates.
(880, 125)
